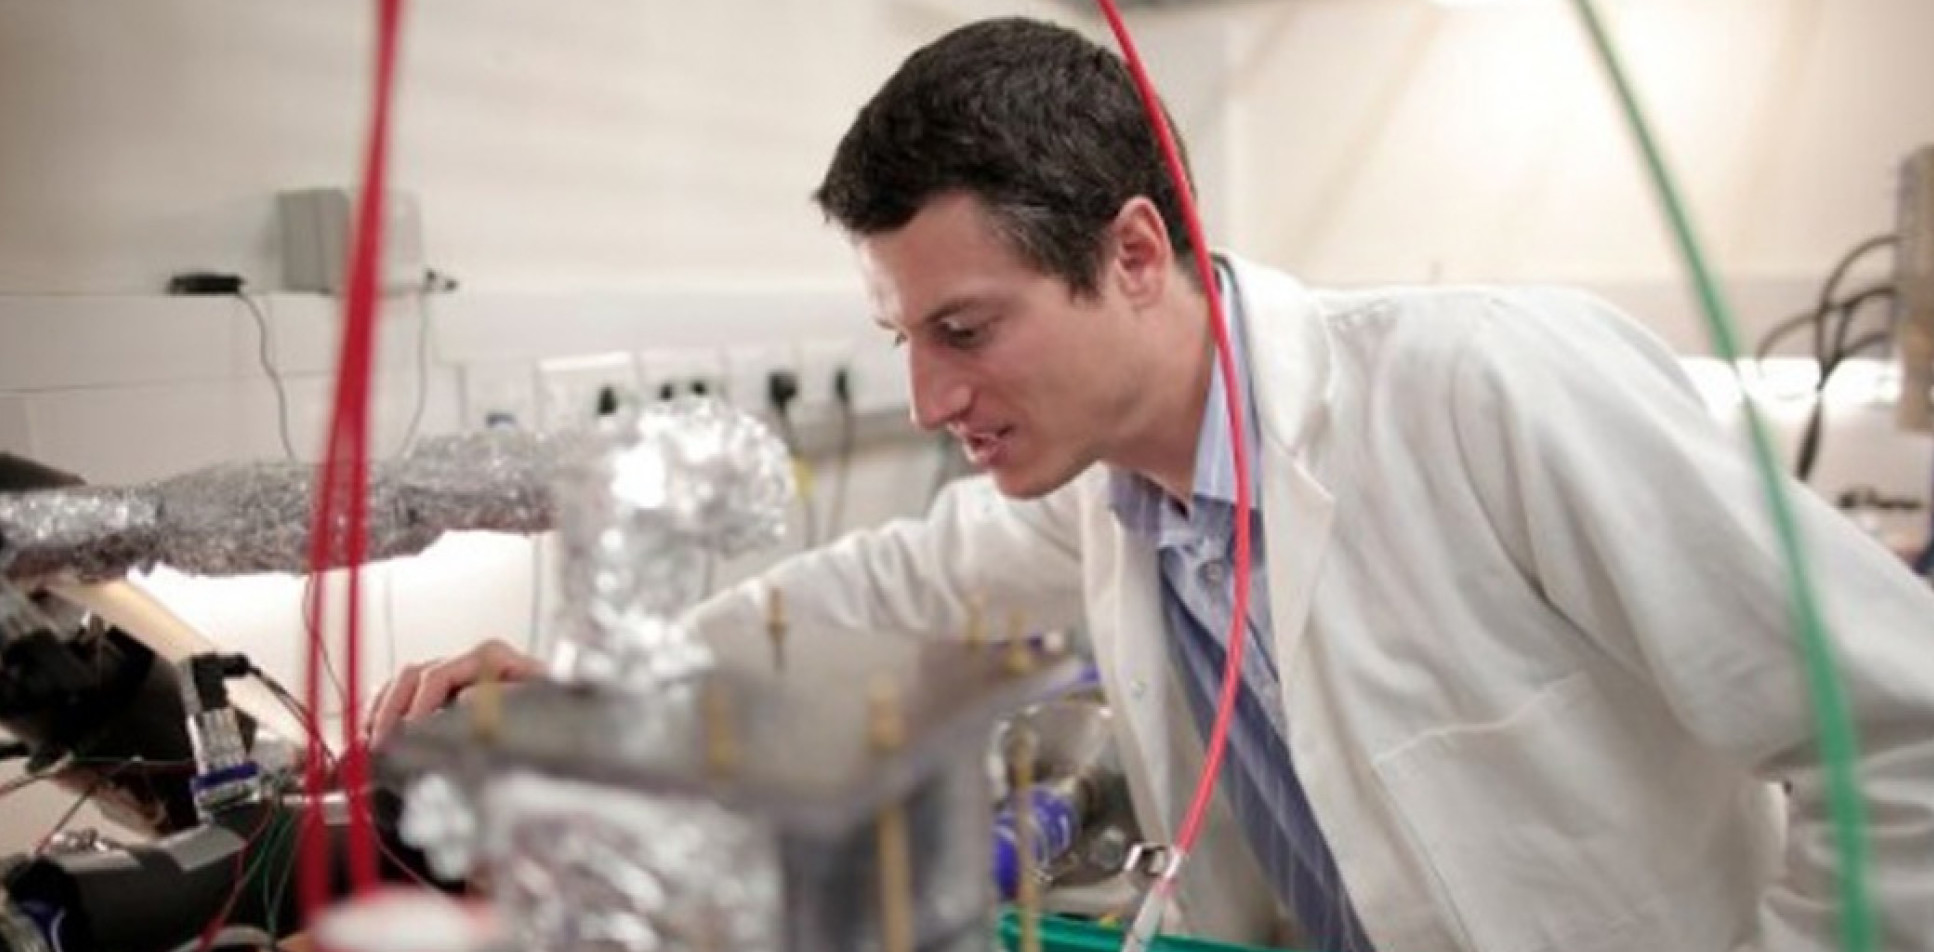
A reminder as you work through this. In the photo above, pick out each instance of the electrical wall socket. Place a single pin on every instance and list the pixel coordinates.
(572, 391)
(499, 395)
(749, 373)
(680, 373)
(819, 361)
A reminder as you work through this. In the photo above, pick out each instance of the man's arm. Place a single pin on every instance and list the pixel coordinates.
(919, 576)
(912, 575)
(1645, 523)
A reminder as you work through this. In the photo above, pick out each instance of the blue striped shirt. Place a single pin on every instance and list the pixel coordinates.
(1195, 546)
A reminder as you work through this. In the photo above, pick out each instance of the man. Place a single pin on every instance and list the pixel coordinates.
(1521, 676)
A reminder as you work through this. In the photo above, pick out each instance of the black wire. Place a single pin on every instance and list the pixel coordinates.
(1814, 433)
(263, 355)
(1785, 328)
(79, 802)
(1838, 274)
(283, 695)
(1827, 352)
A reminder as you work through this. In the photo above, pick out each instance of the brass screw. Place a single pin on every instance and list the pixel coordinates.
(1028, 897)
(722, 751)
(886, 731)
(976, 621)
(1018, 658)
(487, 707)
(886, 723)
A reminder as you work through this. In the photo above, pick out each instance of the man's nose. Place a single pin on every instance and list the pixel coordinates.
(939, 396)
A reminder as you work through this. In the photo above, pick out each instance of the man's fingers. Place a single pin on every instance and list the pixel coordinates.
(505, 662)
(439, 682)
(423, 688)
(392, 702)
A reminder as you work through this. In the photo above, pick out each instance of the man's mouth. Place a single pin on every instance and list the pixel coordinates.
(984, 448)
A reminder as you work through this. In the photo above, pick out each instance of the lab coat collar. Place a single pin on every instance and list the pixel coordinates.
(1289, 355)
(1290, 371)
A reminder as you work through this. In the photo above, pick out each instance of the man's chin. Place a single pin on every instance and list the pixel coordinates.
(1030, 483)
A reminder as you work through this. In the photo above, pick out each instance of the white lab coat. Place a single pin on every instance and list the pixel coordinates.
(1532, 629)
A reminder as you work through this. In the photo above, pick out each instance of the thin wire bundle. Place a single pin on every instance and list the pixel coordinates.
(1831, 349)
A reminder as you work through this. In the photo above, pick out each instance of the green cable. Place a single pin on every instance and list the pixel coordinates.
(1839, 749)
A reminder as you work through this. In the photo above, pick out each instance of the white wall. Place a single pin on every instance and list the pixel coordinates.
(1404, 140)
(631, 176)
(608, 176)
(593, 144)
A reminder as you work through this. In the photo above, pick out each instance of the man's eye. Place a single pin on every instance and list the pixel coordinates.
(961, 335)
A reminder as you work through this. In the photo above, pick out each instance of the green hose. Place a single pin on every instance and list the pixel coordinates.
(1839, 749)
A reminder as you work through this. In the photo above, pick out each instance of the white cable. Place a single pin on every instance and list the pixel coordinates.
(264, 355)
(1148, 920)
(423, 317)
(537, 594)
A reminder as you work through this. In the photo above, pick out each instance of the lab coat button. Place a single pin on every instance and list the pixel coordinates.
(1215, 572)
(1137, 688)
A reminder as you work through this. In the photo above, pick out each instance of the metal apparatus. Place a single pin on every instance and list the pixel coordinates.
(666, 795)
(779, 791)
(751, 808)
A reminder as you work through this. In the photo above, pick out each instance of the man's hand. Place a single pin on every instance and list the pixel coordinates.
(421, 688)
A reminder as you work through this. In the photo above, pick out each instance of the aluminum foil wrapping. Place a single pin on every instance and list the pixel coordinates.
(89, 532)
(254, 517)
(640, 512)
(495, 480)
(439, 820)
(583, 868)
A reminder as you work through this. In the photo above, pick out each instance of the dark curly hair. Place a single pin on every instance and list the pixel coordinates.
(1043, 126)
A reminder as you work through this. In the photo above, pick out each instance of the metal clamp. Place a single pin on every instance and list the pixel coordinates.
(1148, 860)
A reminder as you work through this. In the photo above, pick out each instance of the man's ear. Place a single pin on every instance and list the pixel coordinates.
(1143, 261)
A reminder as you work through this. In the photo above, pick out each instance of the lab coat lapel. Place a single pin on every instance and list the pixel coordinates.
(1148, 695)
(1289, 371)
(1296, 521)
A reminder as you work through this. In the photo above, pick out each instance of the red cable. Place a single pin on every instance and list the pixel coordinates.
(342, 489)
(1233, 400)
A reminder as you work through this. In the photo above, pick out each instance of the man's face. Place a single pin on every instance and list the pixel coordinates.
(1033, 381)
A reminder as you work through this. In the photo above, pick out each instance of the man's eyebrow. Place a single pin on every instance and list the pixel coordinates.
(941, 312)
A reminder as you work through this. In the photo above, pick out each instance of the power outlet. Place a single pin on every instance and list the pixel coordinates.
(819, 362)
(749, 371)
(683, 373)
(573, 392)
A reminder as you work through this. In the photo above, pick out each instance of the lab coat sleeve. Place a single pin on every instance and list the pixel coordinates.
(1644, 521)
(919, 576)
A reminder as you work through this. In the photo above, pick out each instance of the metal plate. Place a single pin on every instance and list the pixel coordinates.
(804, 755)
